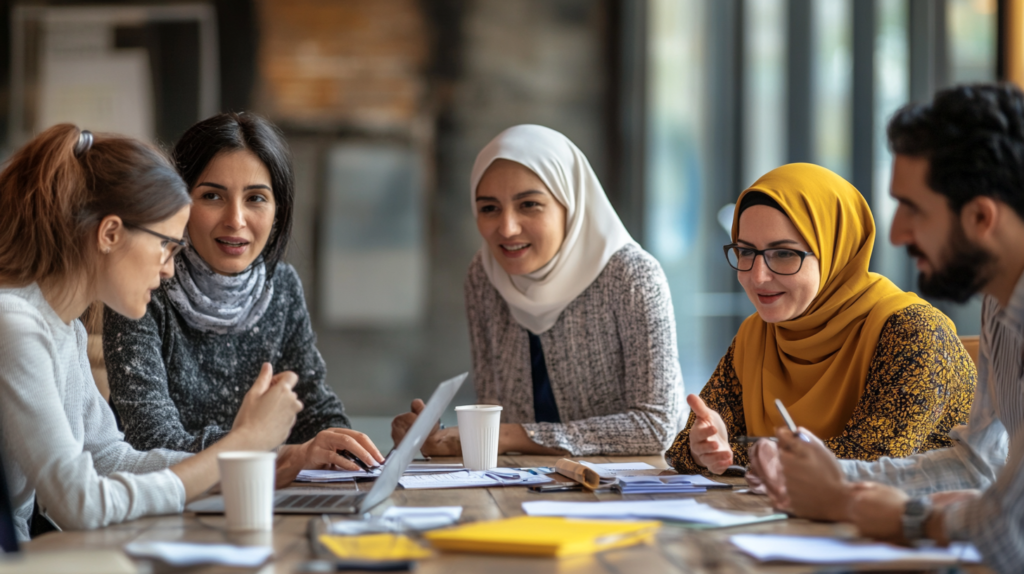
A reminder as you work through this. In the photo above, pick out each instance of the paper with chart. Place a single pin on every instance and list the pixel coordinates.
(474, 478)
(821, 550)
(681, 510)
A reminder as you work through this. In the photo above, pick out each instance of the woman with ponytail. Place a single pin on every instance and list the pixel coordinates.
(88, 219)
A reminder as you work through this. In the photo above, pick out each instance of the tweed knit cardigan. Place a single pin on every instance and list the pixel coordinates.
(611, 357)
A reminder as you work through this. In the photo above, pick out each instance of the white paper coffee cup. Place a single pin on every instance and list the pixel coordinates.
(247, 481)
(478, 431)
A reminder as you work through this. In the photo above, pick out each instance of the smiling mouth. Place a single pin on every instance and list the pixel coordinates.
(769, 297)
(232, 243)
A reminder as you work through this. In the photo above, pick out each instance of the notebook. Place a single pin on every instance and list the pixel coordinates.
(542, 536)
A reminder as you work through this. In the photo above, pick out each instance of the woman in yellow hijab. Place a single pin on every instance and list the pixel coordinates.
(871, 370)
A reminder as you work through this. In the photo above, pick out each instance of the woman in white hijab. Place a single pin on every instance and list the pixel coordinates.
(571, 322)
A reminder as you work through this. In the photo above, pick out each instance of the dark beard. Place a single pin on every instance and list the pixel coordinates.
(966, 270)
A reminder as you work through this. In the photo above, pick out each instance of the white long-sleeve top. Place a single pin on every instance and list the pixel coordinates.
(58, 437)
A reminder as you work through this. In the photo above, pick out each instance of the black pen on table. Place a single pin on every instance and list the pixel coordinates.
(753, 439)
(355, 459)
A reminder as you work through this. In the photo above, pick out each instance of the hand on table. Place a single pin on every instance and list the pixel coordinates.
(709, 439)
(877, 511)
(815, 486)
(764, 473)
(322, 450)
(440, 442)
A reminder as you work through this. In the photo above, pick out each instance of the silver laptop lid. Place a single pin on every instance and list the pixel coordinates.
(411, 443)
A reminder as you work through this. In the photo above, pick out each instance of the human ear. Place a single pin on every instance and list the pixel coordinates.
(979, 217)
(111, 234)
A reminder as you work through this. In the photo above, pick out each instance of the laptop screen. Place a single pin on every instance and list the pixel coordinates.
(8, 538)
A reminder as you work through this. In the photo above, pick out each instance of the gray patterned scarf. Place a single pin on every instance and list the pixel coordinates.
(222, 304)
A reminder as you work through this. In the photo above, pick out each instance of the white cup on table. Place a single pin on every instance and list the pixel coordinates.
(479, 426)
(247, 482)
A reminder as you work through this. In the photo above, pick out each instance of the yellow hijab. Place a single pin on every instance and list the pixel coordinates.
(818, 362)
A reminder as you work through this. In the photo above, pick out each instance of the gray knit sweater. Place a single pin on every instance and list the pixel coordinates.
(179, 388)
(59, 442)
(611, 357)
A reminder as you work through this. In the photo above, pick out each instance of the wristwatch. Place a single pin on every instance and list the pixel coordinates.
(915, 513)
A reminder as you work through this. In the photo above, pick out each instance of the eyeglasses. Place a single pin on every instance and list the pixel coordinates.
(779, 261)
(169, 245)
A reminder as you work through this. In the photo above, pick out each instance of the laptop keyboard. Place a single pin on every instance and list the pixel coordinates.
(325, 501)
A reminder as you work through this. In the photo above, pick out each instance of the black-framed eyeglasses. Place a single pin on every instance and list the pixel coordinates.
(780, 261)
(169, 245)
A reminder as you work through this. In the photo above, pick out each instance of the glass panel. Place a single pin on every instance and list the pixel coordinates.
(764, 82)
(971, 25)
(832, 80)
(892, 90)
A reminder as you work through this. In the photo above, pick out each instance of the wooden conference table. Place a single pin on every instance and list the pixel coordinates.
(677, 550)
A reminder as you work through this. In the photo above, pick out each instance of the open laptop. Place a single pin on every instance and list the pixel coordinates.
(327, 501)
(8, 538)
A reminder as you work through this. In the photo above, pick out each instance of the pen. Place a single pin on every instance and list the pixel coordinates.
(355, 459)
(789, 421)
(753, 439)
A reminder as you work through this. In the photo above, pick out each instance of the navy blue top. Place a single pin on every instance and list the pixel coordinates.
(544, 408)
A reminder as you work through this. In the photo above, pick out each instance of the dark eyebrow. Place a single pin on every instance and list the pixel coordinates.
(515, 197)
(904, 201)
(219, 186)
(526, 193)
(773, 243)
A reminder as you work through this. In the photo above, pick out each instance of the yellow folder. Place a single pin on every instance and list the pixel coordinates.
(542, 536)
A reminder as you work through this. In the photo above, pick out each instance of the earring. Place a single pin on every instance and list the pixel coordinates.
(106, 251)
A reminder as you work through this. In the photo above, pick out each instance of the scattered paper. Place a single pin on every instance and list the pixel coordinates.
(474, 478)
(188, 554)
(424, 518)
(684, 510)
(657, 484)
(820, 550)
(400, 519)
(348, 475)
(374, 547)
(614, 468)
(334, 475)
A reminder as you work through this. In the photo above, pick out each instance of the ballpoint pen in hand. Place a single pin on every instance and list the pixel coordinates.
(355, 459)
(789, 421)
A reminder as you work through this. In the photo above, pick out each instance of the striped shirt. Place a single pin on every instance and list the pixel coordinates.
(994, 521)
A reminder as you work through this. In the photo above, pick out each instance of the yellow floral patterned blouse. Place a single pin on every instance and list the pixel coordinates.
(920, 384)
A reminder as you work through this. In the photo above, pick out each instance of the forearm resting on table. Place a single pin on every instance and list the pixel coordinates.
(201, 472)
(513, 438)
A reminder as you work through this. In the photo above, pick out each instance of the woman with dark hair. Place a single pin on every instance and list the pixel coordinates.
(870, 369)
(88, 218)
(178, 376)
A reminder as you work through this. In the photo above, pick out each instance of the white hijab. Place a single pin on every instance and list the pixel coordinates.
(593, 231)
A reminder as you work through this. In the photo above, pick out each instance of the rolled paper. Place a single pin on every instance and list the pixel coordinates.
(588, 477)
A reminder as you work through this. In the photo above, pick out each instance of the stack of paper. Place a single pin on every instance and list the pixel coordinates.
(541, 536)
(820, 550)
(474, 478)
(679, 483)
(347, 475)
(682, 510)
